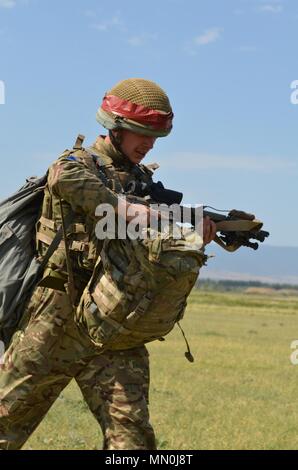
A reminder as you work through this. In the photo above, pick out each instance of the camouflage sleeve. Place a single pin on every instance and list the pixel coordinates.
(73, 178)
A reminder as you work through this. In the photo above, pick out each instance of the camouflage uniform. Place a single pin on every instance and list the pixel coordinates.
(49, 349)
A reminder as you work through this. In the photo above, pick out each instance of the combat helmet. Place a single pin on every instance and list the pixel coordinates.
(138, 105)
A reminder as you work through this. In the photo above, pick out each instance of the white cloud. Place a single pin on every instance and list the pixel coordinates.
(262, 6)
(107, 25)
(209, 36)
(136, 41)
(271, 8)
(200, 161)
(7, 3)
(141, 40)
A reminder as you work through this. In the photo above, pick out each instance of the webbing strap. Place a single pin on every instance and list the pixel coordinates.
(56, 241)
(47, 222)
(118, 327)
(140, 310)
(78, 228)
(79, 142)
(70, 284)
(47, 240)
(75, 245)
(109, 287)
(73, 228)
(106, 165)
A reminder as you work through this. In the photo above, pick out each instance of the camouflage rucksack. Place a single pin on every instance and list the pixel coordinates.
(139, 289)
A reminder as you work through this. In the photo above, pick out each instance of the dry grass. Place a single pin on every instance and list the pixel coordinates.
(240, 393)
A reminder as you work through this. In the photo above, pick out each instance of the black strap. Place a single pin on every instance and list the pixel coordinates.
(57, 239)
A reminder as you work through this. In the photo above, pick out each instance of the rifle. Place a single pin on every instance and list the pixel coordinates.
(236, 229)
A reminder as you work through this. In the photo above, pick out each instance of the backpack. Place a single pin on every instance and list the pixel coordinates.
(20, 269)
(139, 289)
(18, 266)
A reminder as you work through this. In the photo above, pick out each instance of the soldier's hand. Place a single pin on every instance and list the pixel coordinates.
(143, 212)
(209, 230)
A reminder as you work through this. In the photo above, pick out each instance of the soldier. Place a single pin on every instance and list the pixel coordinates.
(52, 345)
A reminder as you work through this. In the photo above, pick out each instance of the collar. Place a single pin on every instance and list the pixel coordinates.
(107, 149)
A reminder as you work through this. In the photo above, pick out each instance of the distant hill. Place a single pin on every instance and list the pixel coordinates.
(269, 264)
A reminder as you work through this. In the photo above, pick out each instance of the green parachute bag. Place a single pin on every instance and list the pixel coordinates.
(20, 268)
(18, 265)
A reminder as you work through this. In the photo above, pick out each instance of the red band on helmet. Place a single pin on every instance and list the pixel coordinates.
(137, 112)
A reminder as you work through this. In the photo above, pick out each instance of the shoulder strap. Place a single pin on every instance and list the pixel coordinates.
(107, 170)
(57, 239)
(79, 142)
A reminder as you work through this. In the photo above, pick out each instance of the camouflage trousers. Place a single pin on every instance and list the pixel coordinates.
(46, 353)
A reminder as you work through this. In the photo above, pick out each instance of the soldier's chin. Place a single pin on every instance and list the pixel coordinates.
(137, 158)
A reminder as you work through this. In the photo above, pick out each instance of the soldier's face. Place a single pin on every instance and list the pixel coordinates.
(136, 146)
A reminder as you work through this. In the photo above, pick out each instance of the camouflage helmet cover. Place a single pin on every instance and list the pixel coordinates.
(138, 105)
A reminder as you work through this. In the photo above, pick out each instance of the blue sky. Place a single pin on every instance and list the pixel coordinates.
(227, 66)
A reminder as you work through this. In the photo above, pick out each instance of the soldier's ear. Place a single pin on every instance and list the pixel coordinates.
(114, 133)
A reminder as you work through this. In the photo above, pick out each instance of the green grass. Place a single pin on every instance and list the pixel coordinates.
(240, 393)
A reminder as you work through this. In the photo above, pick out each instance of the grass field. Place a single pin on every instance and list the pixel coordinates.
(240, 393)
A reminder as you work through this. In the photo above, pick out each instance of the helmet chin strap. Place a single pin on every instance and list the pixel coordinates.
(117, 141)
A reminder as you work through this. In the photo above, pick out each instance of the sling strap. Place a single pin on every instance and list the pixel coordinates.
(56, 241)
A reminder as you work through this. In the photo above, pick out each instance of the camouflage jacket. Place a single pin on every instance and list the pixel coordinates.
(82, 179)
